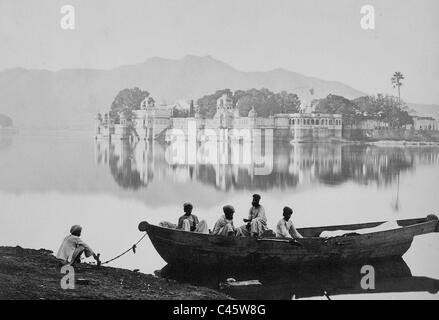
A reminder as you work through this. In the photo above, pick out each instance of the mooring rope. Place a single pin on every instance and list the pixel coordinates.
(133, 248)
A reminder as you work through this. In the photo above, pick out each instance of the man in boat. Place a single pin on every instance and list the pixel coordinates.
(256, 224)
(285, 227)
(224, 226)
(73, 247)
(189, 221)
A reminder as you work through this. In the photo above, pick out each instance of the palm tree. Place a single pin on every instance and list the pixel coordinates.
(397, 83)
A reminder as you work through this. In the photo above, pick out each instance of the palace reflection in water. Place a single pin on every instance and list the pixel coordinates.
(238, 165)
(66, 179)
(5, 141)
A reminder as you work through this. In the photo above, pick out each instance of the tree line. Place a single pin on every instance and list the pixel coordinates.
(265, 102)
(381, 107)
(385, 108)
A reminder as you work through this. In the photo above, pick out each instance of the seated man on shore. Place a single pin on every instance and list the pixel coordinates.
(189, 221)
(224, 226)
(257, 221)
(72, 248)
(285, 227)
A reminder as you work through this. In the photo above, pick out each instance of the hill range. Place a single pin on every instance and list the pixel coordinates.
(72, 97)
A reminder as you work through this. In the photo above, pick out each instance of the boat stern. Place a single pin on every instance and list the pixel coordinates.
(144, 226)
(433, 217)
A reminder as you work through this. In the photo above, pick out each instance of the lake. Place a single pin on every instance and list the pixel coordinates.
(50, 180)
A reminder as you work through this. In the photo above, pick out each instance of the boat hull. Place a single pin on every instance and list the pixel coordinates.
(188, 248)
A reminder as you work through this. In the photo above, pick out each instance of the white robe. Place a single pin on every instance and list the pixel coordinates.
(69, 245)
(258, 222)
(286, 229)
(185, 224)
(224, 226)
(200, 228)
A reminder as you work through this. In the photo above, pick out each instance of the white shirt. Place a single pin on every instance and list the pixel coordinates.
(257, 213)
(223, 221)
(285, 229)
(69, 245)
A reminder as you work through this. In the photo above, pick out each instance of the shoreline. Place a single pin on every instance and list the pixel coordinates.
(395, 143)
(405, 143)
(383, 143)
(36, 275)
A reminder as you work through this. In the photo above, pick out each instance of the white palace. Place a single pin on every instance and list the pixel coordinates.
(150, 122)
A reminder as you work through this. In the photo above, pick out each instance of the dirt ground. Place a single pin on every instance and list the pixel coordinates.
(36, 274)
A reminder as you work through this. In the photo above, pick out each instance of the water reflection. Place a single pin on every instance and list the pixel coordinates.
(391, 276)
(5, 141)
(234, 165)
(368, 164)
(52, 181)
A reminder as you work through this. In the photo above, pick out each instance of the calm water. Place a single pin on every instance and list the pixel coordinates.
(51, 180)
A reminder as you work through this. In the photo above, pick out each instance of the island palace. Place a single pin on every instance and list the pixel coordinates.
(152, 122)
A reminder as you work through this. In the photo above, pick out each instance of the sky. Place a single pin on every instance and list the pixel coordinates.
(317, 38)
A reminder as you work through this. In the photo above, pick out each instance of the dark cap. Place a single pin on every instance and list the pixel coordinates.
(256, 196)
(187, 205)
(75, 230)
(228, 209)
(287, 211)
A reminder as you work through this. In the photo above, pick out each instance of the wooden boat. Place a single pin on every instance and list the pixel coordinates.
(203, 250)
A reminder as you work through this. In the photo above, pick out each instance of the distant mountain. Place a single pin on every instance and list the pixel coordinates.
(5, 121)
(72, 97)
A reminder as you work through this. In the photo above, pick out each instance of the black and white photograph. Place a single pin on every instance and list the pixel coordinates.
(241, 151)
